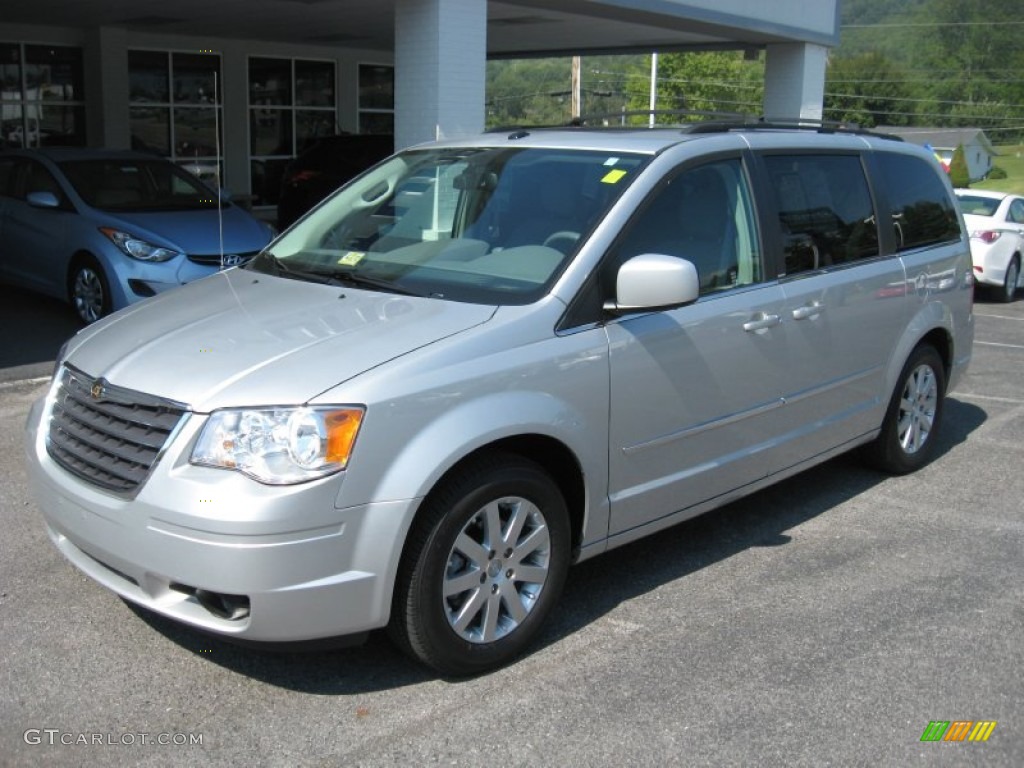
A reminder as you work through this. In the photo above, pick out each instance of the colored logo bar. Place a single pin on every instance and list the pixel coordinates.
(958, 730)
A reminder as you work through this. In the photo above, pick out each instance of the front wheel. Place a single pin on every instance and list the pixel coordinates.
(1009, 289)
(484, 565)
(88, 291)
(911, 425)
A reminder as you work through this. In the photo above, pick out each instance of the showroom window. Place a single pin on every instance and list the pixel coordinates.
(42, 99)
(175, 108)
(376, 98)
(292, 103)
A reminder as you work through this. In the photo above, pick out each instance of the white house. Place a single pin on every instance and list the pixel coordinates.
(978, 150)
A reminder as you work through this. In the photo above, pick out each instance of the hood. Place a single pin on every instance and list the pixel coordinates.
(195, 231)
(240, 338)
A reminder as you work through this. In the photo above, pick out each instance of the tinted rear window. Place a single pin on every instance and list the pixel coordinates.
(923, 212)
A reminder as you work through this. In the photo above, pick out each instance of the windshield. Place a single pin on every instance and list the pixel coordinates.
(482, 225)
(137, 185)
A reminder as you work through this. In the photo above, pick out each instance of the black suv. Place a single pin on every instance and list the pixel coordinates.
(324, 167)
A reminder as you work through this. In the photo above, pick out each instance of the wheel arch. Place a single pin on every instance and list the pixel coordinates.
(551, 454)
(81, 256)
(942, 341)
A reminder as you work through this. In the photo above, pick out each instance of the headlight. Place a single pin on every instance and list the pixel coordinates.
(138, 249)
(279, 446)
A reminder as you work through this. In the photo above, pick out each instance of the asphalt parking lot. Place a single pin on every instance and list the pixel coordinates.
(825, 621)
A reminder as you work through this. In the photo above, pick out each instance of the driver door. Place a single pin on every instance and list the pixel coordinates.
(696, 392)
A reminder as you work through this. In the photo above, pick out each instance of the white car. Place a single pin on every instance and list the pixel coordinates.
(995, 221)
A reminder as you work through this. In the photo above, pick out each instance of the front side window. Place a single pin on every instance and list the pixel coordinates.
(492, 226)
(825, 210)
(922, 212)
(704, 215)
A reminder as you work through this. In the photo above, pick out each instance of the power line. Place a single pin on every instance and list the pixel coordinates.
(903, 24)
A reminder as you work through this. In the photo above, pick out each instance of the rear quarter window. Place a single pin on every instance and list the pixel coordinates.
(826, 214)
(922, 210)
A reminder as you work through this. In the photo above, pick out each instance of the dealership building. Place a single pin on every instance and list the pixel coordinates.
(240, 86)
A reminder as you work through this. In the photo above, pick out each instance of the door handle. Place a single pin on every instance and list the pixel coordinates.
(761, 321)
(813, 309)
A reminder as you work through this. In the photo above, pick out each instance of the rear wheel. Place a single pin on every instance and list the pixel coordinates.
(484, 565)
(1009, 289)
(912, 421)
(88, 291)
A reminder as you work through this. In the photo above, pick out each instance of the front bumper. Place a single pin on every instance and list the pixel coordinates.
(305, 568)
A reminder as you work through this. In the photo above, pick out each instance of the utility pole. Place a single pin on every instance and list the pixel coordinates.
(576, 101)
(654, 88)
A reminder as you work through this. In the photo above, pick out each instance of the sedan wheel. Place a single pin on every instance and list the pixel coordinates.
(1010, 282)
(89, 294)
(484, 565)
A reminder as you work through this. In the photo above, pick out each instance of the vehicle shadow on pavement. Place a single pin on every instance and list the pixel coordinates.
(35, 327)
(594, 588)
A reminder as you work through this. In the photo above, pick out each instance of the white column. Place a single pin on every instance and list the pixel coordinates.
(440, 61)
(794, 81)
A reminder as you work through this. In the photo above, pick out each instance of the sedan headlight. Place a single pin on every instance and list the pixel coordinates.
(279, 446)
(137, 248)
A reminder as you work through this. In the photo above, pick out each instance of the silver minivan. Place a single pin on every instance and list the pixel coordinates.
(485, 360)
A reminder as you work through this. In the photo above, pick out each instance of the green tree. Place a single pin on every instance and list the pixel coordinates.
(973, 58)
(959, 176)
(719, 82)
(865, 89)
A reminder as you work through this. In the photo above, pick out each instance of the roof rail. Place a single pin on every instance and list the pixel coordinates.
(712, 122)
(762, 124)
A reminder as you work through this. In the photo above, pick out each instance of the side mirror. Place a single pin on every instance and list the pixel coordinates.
(653, 281)
(42, 200)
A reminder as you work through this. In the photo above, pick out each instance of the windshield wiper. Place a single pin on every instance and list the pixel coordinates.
(329, 277)
(281, 269)
(365, 281)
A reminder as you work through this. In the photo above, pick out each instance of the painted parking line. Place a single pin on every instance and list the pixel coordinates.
(999, 317)
(958, 395)
(23, 382)
(998, 344)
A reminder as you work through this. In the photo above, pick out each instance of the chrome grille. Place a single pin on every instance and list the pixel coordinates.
(214, 259)
(107, 435)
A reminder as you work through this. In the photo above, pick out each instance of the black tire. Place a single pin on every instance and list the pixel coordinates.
(1009, 290)
(914, 416)
(450, 543)
(88, 290)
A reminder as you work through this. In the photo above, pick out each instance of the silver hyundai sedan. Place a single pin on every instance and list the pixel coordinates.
(485, 360)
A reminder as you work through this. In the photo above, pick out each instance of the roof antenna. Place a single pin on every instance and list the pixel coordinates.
(217, 147)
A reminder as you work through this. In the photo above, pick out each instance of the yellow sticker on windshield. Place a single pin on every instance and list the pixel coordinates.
(352, 258)
(614, 176)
